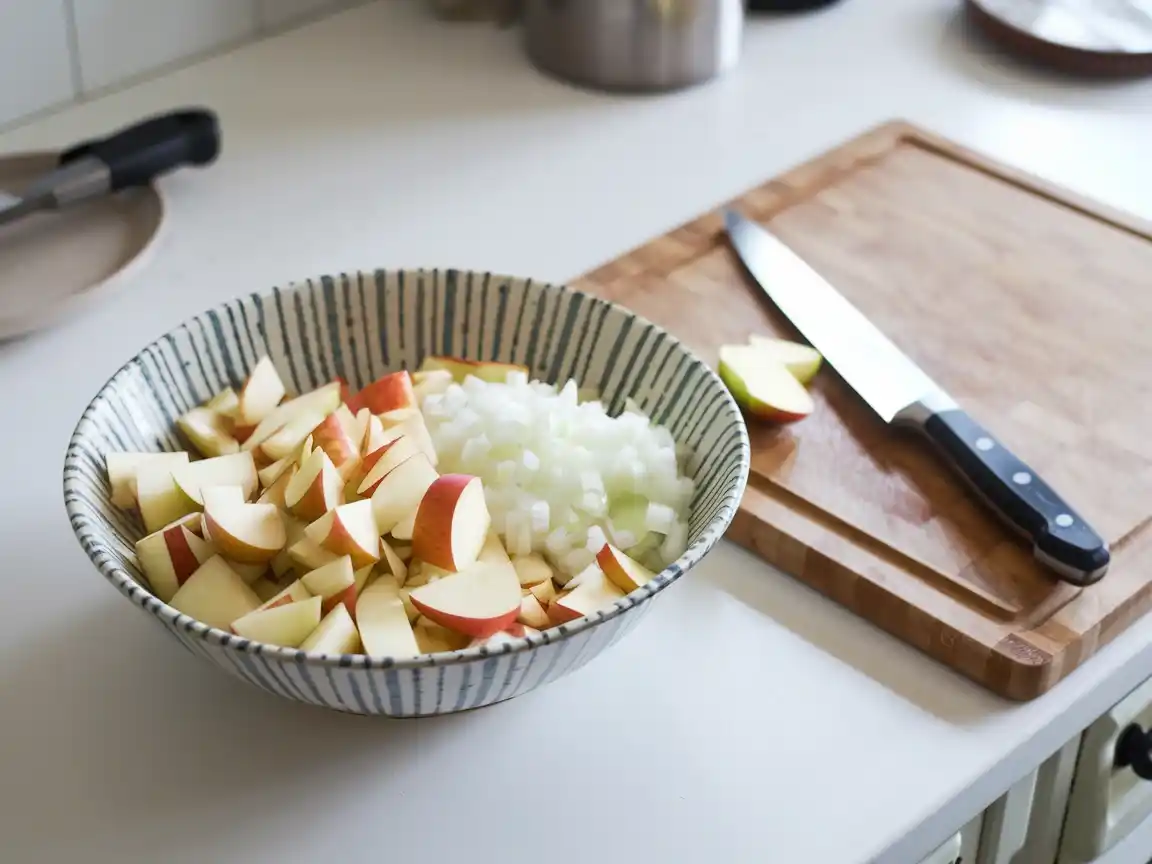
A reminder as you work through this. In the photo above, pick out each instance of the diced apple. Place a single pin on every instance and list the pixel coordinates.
(349, 529)
(373, 433)
(762, 386)
(452, 523)
(336, 634)
(309, 555)
(276, 493)
(322, 401)
(171, 555)
(404, 529)
(334, 437)
(247, 533)
(385, 394)
(294, 529)
(225, 403)
(403, 551)
(480, 600)
(377, 464)
(249, 572)
(209, 432)
(287, 626)
(287, 440)
(532, 613)
(335, 582)
(215, 595)
(409, 608)
(490, 371)
(384, 627)
(294, 592)
(315, 489)
(265, 589)
(515, 631)
(269, 474)
(414, 427)
(392, 562)
(159, 498)
(364, 576)
(622, 571)
(399, 492)
(237, 469)
(261, 393)
(594, 593)
(532, 570)
(545, 592)
(123, 468)
(428, 630)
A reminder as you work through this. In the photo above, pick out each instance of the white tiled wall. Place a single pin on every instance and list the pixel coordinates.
(56, 51)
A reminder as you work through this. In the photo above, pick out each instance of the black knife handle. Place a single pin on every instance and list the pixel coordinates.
(138, 154)
(1061, 539)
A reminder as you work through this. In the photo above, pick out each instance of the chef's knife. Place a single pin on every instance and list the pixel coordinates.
(133, 156)
(902, 394)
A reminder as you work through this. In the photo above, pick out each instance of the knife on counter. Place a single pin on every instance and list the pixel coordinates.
(133, 156)
(903, 395)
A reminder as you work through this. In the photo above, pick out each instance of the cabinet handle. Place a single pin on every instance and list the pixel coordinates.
(1134, 750)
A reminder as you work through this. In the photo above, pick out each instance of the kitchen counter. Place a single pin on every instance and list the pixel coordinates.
(381, 138)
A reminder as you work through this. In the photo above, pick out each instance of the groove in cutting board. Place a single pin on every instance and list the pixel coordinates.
(1028, 303)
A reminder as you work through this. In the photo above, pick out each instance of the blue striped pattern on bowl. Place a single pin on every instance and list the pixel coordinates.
(359, 326)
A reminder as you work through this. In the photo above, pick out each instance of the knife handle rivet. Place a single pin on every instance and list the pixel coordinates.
(985, 443)
(1021, 478)
(1064, 520)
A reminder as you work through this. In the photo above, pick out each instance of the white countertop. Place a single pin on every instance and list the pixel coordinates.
(380, 138)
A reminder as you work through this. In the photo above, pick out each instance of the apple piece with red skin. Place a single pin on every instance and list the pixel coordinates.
(487, 370)
(532, 613)
(323, 401)
(349, 529)
(434, 637)
(288, 440)
(400, 492)
(374, 437)
(412, 426)
(379, 462)
(336, 437)
(515, 631)
(762, 386)
(625, 573)
(287, 626)
(275, 493)
(315, 489)
(246, 533)
(294, 592)
(215, 595)
(479, 600)
(386, 393)
(452, 523)
(260, 394)
(594, 593)
(801, 361)
(209, 432)
(385, 630)
(123, 468)
(335, 635)
(172, 554)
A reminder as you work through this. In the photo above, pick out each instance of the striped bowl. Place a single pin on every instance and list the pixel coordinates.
(359, 326)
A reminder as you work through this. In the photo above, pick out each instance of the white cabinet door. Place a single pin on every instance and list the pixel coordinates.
(1110, 806)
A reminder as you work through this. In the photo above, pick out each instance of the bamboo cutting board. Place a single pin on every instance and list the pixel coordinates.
(1030, 305)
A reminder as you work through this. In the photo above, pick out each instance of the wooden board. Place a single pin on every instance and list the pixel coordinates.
(1030, 305)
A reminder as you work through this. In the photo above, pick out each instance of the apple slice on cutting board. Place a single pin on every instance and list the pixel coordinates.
(762, 385)
(802, 361)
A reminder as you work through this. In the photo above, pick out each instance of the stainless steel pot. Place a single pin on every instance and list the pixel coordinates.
(634, 44)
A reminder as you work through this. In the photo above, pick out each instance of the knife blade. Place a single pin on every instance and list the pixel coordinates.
(903, 395)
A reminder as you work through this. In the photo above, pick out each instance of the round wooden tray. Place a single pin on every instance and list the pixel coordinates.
(1084, 37)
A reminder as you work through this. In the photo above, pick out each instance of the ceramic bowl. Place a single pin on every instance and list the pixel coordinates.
(359, 326)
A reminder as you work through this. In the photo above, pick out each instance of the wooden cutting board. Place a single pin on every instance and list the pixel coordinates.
(1032, 306)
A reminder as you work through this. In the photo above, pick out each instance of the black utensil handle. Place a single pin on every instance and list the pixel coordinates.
(1062, 539)
(138, 154)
